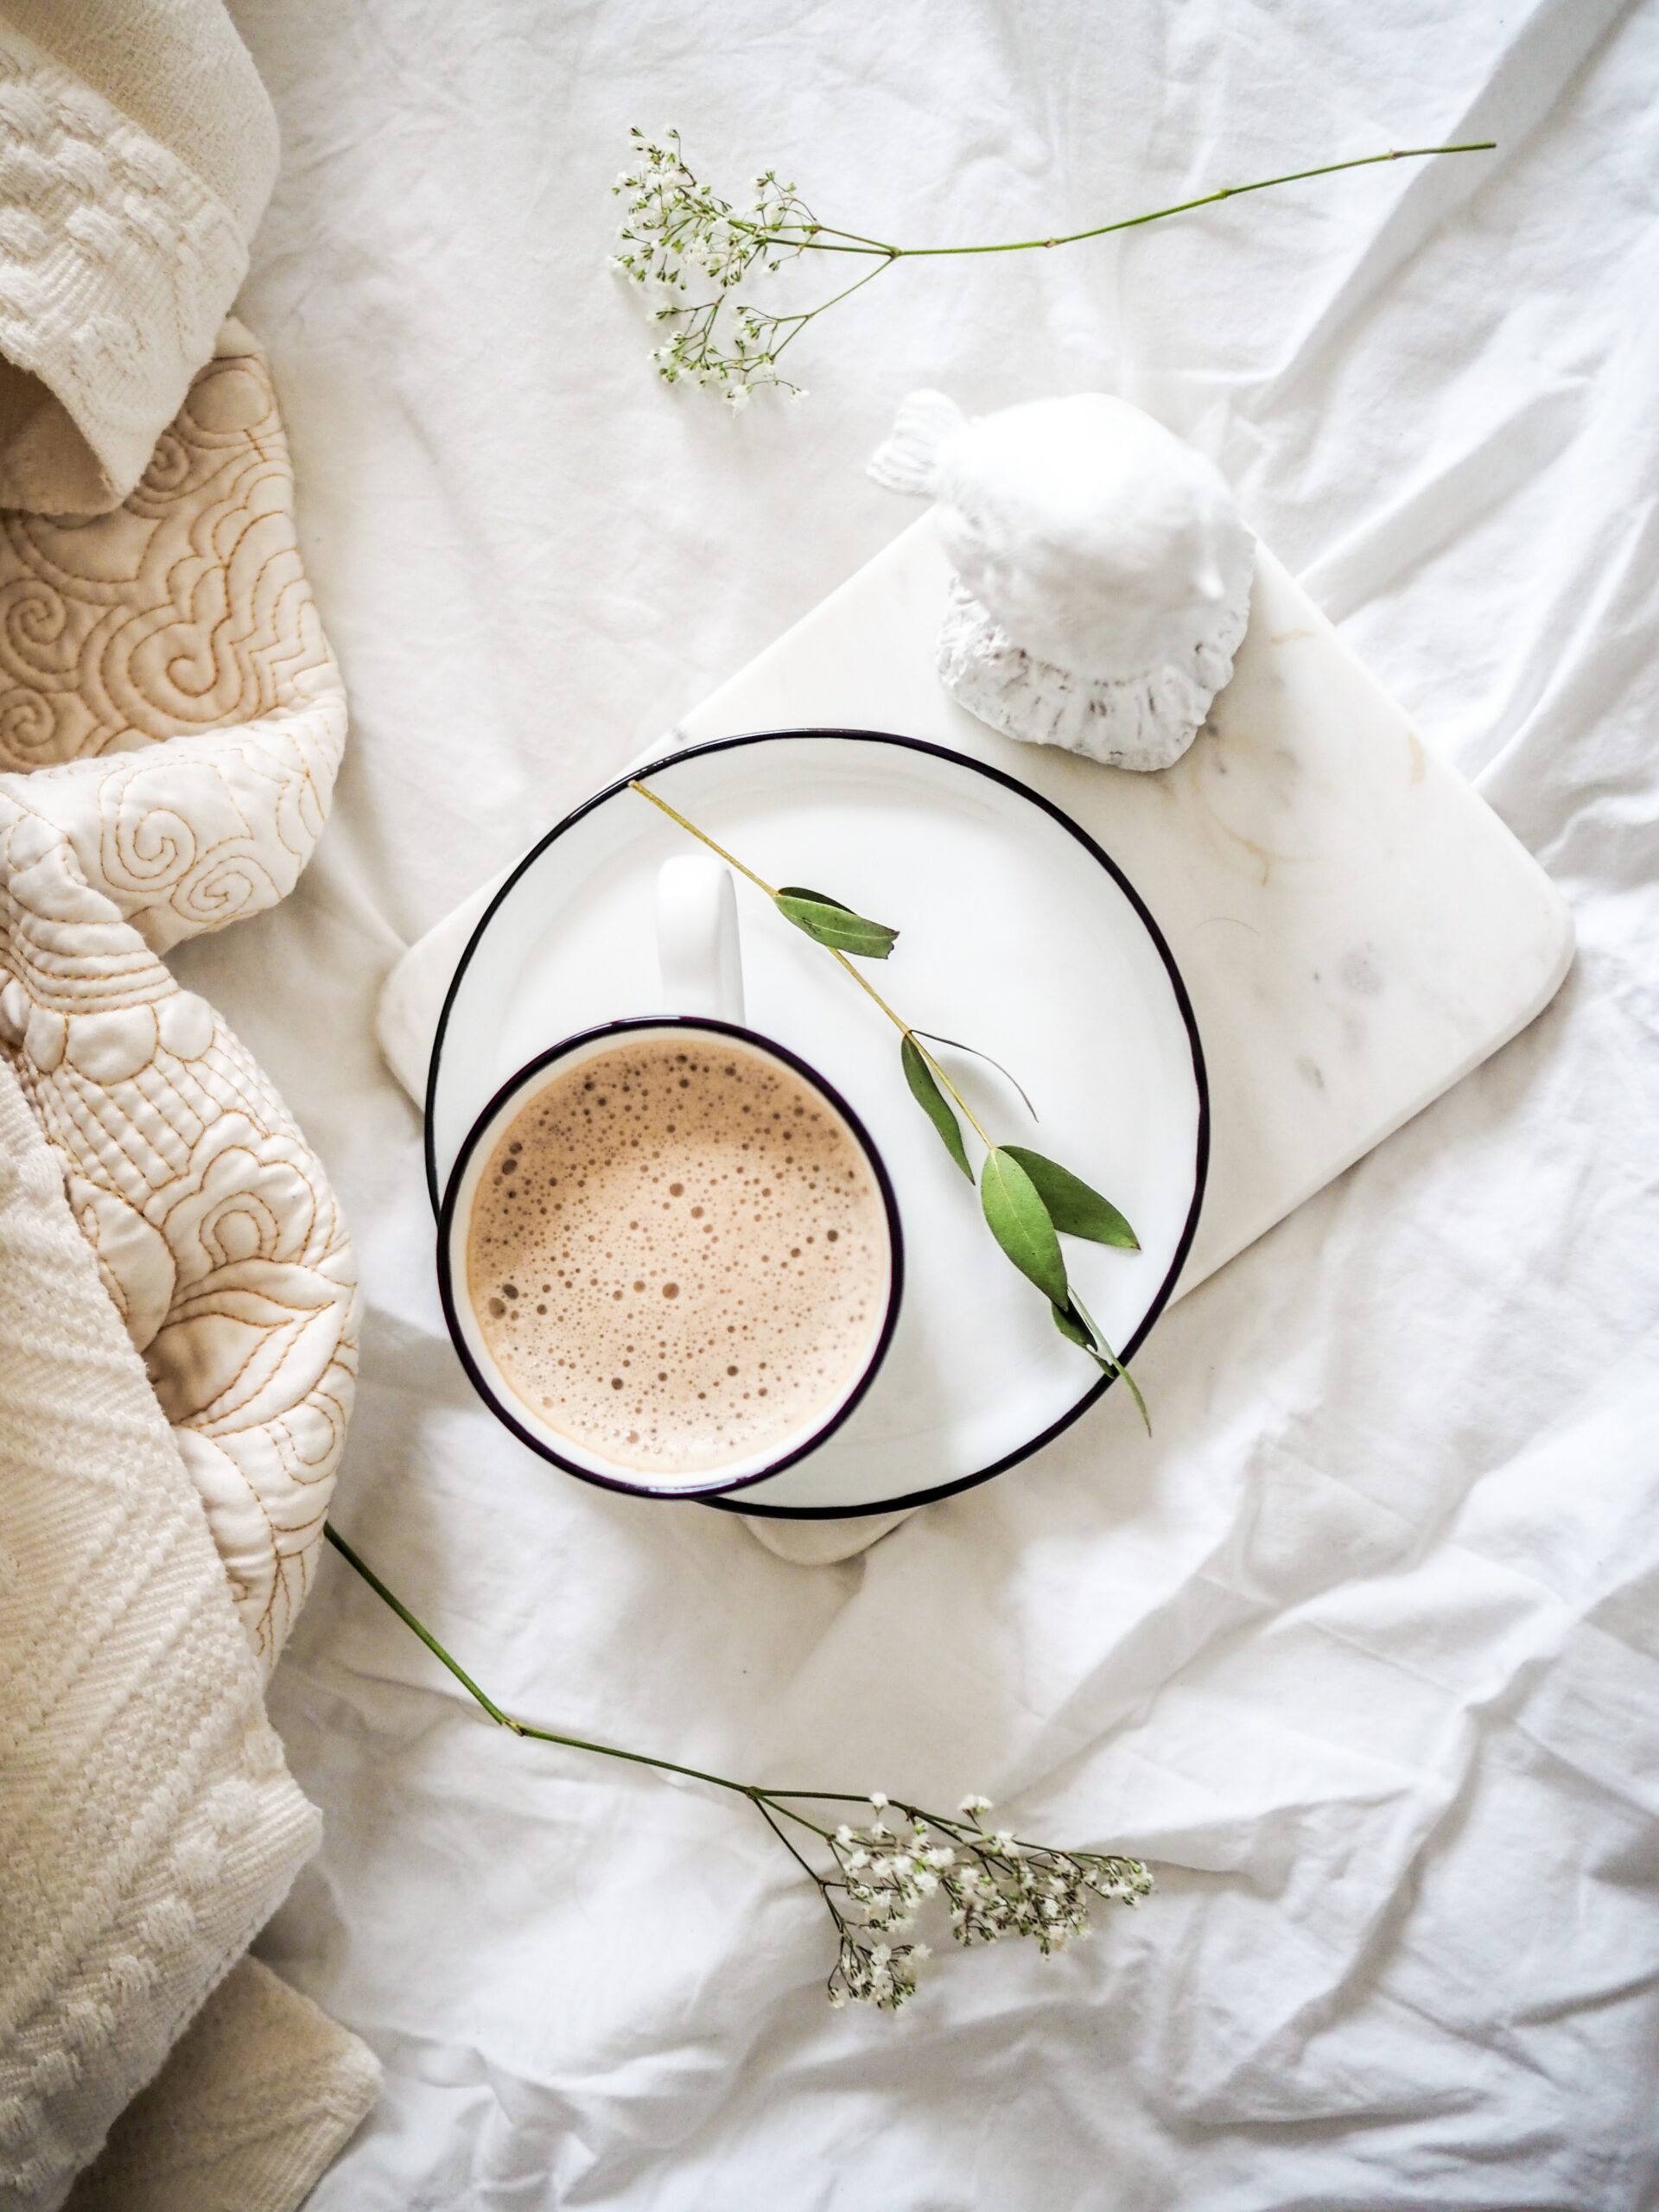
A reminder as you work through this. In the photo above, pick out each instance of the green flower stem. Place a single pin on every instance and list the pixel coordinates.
(816, 238)
(869, 989)
(1206, 199)
(505, 1719)
(388, 1597)
(835, 300)
(777, 1800)
(678, 225)
(757, 1796)
(768, 1816)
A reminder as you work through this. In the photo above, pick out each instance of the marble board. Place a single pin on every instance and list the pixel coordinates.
(1357, 928)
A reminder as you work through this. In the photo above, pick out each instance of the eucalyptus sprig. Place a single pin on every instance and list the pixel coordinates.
(677, 225)
(1028, 1200)
(879, 1875)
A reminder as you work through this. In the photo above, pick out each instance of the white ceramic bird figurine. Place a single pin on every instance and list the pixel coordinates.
(1103, 570)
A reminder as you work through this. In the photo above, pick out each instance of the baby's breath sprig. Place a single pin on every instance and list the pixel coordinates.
(676, 225)
(991, 1883)
(882, 1873)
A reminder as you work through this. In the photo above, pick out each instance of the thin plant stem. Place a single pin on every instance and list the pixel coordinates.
(411, 1621)
(881, 245)
(701, 836)
(812, 244)
(810, 231)
(835, 300)
(505, 1719)
(814, 238)
(869, 989)
(904, 1029)
(389, 1598)
(766, 1813)
(1205, 200)
(775, 1799)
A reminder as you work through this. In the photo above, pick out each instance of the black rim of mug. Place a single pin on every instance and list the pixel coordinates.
(524, 1081)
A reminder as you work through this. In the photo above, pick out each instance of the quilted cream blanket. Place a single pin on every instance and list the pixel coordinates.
(171, 719)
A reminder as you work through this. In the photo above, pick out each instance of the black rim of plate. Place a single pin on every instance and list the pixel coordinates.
(740, 1502)
(524, 1081)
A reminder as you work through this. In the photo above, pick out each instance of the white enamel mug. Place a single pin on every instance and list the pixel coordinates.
(699, 957)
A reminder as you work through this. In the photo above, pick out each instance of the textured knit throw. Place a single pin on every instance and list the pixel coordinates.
(147, 1824)
(170, 723)
(136, 153)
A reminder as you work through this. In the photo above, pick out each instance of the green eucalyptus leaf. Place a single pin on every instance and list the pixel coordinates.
(1108, 1359)
(1071, 1329)
(1020, 1224)
(924, 1089)
(1078, 1325)
(818, 898)
(1074, 1207)
(827, 922)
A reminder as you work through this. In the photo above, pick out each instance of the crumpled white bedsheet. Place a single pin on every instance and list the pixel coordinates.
(1364, 1647)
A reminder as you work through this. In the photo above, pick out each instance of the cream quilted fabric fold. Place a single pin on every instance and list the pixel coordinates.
(171, 719)
(147, 1824)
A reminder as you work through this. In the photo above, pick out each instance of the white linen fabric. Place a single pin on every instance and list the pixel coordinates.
(1362, 1646)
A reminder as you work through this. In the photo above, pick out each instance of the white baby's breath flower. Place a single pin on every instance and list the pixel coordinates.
(679, 231)
(689, 225)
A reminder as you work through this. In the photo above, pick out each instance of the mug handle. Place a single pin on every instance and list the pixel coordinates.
(698, 953)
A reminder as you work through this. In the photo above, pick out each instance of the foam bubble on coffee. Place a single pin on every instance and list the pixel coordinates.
(678, 1255)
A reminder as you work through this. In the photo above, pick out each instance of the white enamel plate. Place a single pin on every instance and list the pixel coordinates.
(1017, 934)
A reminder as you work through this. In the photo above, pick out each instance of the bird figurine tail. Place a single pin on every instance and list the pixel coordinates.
(908, 462)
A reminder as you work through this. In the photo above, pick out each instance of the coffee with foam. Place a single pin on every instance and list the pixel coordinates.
(678, 1255)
